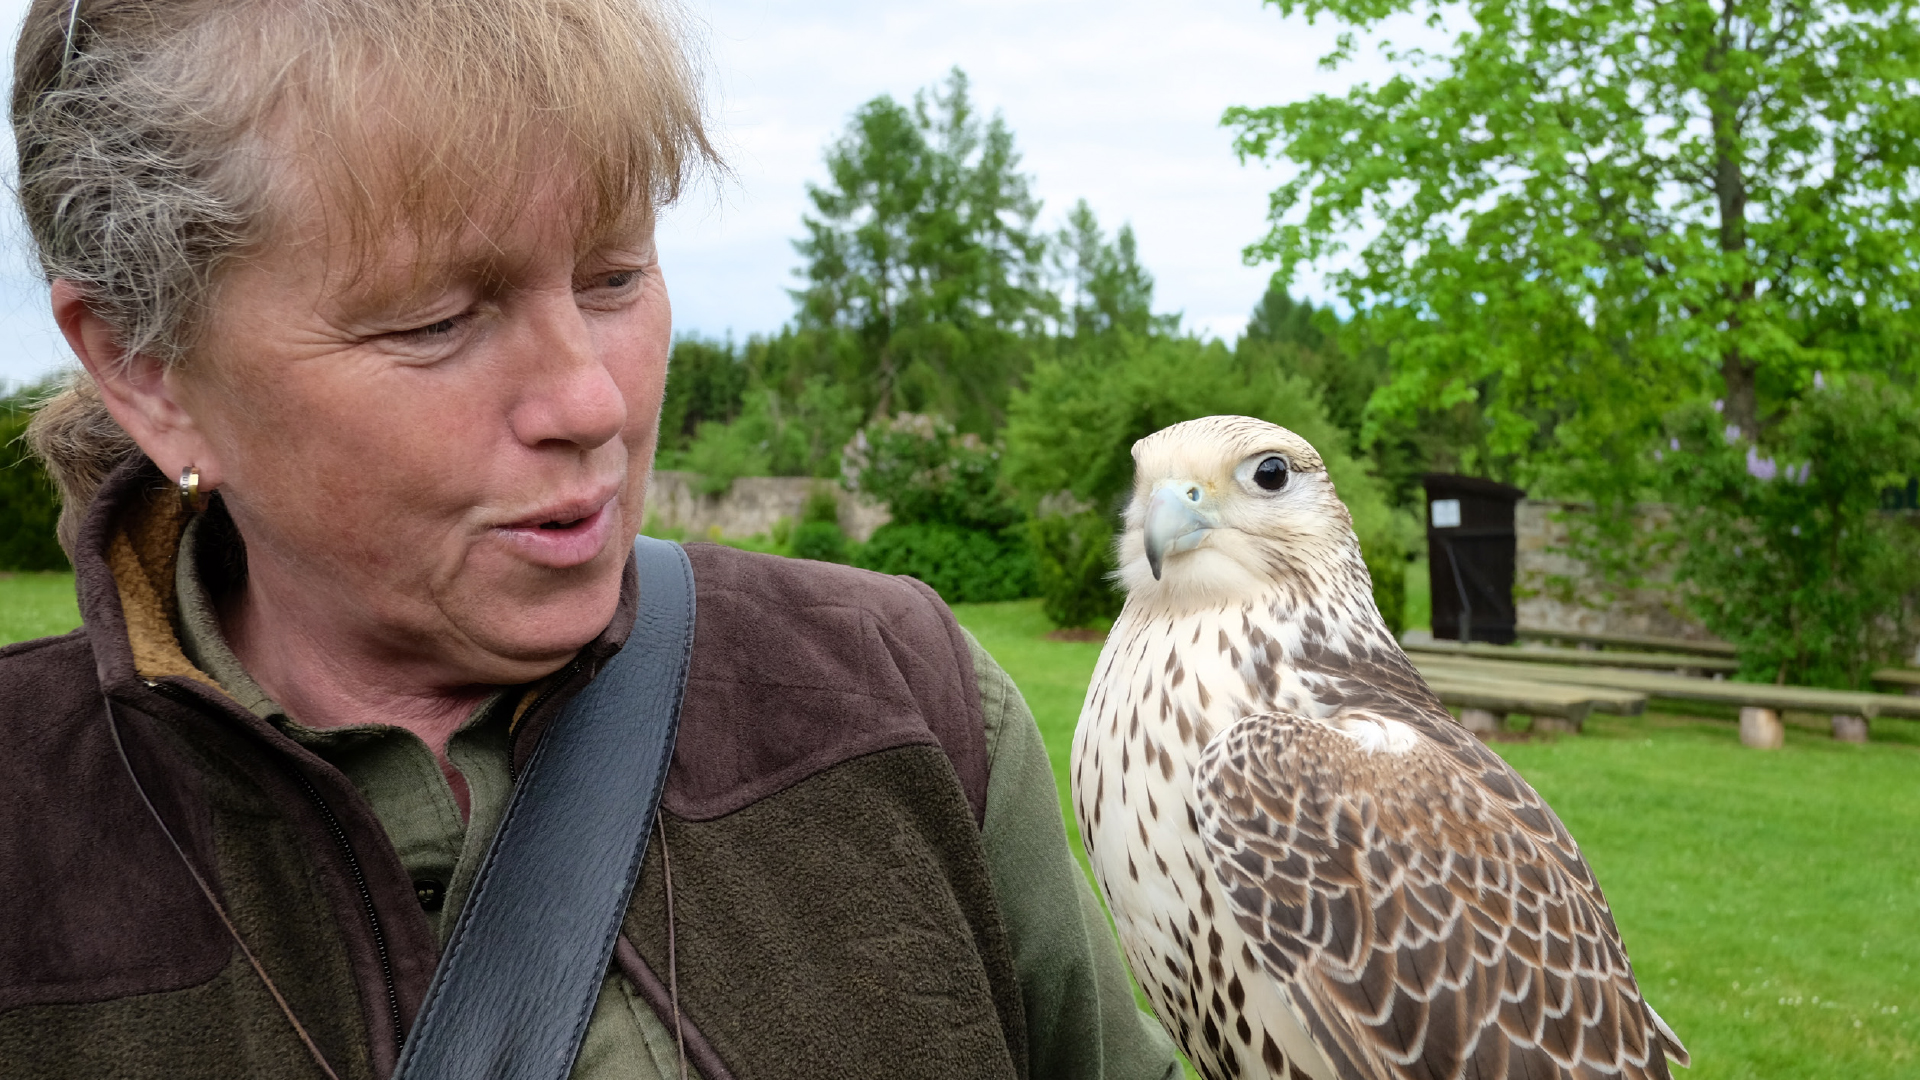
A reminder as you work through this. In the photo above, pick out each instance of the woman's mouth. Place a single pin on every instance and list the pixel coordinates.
(566, 536)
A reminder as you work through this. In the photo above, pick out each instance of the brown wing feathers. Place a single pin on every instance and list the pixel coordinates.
(1427, 920)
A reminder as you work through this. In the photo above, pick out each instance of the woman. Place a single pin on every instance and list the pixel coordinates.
(375, 341)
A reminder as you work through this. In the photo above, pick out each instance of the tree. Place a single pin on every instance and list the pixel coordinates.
(1106, 286)
(1584, 213)
(1279, 319)
(706, 382)
(1301, 338)
(29, 503)
(922, 247)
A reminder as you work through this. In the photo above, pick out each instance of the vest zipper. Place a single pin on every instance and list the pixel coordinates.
(366, 901)
(187, 697)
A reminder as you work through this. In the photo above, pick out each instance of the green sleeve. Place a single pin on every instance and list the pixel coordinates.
(1082, 1021)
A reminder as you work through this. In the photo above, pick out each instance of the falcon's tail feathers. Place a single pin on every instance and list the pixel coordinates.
(1676, 1053)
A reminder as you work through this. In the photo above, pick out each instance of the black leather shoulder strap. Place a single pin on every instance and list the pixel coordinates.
(513, 992)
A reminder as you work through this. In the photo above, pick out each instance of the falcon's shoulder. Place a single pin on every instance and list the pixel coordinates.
(1425, 911)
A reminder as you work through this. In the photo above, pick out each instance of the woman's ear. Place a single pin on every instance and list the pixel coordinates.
(140, 390)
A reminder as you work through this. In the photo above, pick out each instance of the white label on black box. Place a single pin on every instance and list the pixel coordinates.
(1446, 513)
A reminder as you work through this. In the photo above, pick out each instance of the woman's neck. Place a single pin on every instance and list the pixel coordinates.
(326, 678)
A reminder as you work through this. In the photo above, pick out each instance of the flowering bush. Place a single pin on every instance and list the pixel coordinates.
(1785, 549)
(928, 473)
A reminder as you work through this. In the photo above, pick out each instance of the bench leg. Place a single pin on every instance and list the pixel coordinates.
(1849, 728)
(1482, 722)
(1761, 728)
(1559, 725)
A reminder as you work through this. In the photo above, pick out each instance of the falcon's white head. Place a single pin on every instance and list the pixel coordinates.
(1228, 508)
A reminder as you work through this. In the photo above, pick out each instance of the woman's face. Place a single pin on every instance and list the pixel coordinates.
(449, 473)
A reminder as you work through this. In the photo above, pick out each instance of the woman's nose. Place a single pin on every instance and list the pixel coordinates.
(568, 395)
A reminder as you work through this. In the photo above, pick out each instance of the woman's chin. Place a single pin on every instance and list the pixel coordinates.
(532, 617)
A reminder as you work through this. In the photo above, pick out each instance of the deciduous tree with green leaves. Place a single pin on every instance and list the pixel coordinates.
(1583, 213)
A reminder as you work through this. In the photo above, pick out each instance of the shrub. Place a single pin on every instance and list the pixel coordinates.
(821, 507)
(818, 535)
(821, 540)
(1389, 573)
(29, 504)
(1784, 548)
(954, 524)
(1073, 560)
(963, 565)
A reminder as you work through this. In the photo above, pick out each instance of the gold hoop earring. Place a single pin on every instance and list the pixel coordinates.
(192, 499)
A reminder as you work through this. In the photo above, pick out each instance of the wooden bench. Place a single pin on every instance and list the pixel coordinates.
(1640, 642)
(1577, 657)
(1605, 699)
(1906, 680)
(1903, 679)
(1485, 702)
(1483, 705)
(1760, 704)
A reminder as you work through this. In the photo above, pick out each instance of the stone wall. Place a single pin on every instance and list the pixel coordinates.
(750, 507)
(1551, 589)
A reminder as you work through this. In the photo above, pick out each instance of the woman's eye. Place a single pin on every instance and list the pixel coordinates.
(434, 332)
(611, 287)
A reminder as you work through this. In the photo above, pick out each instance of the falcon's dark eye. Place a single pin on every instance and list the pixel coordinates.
(1271, 474)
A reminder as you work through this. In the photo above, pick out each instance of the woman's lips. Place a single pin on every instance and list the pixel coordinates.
(566, 538)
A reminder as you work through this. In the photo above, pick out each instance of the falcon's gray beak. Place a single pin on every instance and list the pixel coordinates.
(1178, 518)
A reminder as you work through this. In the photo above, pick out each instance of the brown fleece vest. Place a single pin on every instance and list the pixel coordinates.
(833, 914)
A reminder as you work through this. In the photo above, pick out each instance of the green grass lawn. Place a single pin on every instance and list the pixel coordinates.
(1771, 901)
(35, 605)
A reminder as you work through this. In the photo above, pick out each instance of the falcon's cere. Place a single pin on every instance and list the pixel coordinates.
(1314, 871)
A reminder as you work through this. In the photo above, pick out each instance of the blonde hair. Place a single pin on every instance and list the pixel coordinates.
(158, 142)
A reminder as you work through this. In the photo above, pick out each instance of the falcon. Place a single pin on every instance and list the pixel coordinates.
(1313, 870)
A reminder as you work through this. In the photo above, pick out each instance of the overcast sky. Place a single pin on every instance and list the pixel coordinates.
(1116, 101)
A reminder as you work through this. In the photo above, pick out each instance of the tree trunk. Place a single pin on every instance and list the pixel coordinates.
(1741, 408)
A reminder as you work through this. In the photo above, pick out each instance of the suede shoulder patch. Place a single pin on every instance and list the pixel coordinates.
(799, 666)
(98, 906)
